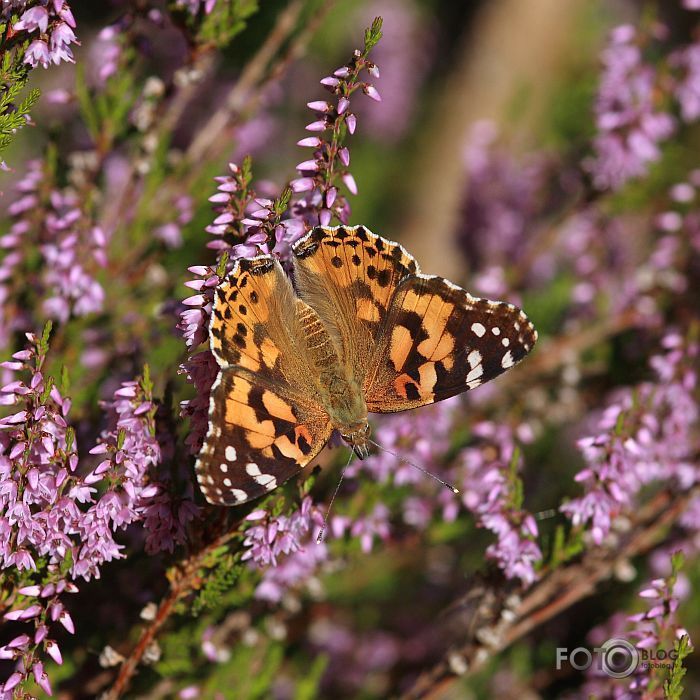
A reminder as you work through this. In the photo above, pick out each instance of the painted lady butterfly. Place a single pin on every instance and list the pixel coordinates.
(367, 333)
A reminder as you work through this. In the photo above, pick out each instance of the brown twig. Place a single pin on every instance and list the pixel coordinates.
(497, 620)
(183, 582)
(253, 73)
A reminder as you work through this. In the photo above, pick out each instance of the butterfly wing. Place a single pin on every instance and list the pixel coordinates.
(411, 339)
(438, 341)
(349, 275)
(266, 420)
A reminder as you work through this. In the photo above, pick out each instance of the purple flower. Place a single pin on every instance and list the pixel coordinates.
(646, 435)
(630, 124)
(38, 54)
(34, 18)
(285, 548)
(489, 486)
(194, 6)
(687, 88)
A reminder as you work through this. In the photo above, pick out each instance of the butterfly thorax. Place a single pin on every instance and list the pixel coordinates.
(341, 395)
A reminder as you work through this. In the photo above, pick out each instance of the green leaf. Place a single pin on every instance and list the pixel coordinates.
(373, 34)
(673, 690)
(227, 19)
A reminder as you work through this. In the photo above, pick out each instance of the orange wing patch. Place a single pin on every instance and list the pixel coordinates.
(242, 309)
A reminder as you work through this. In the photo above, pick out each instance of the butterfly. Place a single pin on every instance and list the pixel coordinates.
(366, 332)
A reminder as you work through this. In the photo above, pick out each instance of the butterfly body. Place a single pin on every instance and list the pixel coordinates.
(340, 393)
(365, 332)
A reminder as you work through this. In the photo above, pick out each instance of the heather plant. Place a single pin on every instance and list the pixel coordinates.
(168, 143)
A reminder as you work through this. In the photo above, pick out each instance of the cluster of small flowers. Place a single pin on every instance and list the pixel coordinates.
(38, 511)
(247, 225)
(680, 223)
(284, 546)
(12, 315)
(131, 453)
(634, 102)
(647, 434)
(654, 632)
(69, 245)
(55, 23)
(331, 159)
(49, 514)
(484, 471)
(490, 487)
(663, 594)
(107, 50)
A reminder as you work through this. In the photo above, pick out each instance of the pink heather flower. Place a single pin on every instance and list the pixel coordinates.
(69, 249)
(645, 436)
(38, 54)
(629, 125)
(366, 527)
(34, 18)
(488, 492)
(687, 88)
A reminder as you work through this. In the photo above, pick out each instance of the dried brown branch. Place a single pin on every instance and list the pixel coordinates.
(185, 579)
(496, 618)
(220, 123)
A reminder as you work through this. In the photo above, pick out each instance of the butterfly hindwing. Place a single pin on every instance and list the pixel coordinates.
(266, 420)
(439, 341)
(258, 438)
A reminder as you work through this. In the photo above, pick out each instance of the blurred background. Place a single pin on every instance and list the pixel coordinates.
(536, 151)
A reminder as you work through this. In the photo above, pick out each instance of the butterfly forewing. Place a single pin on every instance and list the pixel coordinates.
(438, 341)
(348, 275)
(265, 419)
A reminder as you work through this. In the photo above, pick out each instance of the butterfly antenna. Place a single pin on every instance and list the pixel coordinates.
(319, 539)
(417, 466)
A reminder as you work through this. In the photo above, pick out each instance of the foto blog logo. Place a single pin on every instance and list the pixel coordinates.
(616, 658)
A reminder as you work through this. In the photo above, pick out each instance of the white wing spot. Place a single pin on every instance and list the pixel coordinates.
(227, 482)
(474, 383)
(496, 330)
(208, 479)
(507, 360)
(474, 358)
(231, 453)
(224, 467)
(239, 495)
(267, 480)
(252, 469)
(505, 342)
(475, 373)
(478, 329)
